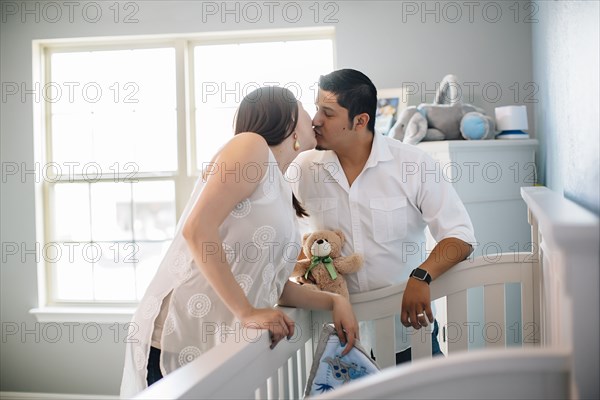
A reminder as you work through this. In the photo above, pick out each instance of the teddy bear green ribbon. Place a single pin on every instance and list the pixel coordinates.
(327, 261)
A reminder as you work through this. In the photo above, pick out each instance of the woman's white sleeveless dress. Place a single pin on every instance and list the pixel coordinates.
(261, 243)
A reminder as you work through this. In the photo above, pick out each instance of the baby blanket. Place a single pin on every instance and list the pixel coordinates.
(330, 370)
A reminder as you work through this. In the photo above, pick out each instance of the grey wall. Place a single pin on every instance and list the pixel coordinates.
(391, 41)
(565, 66)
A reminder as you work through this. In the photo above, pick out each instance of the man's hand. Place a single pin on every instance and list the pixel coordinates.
(416, 304)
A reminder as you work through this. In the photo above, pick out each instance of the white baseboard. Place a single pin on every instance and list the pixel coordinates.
(53, 396)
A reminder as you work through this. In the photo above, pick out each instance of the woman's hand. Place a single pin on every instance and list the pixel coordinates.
(345, 322)
(346, 326)
(276, 321)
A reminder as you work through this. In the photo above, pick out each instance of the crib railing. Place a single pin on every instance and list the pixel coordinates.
(554, 313)
(490, 272)
(248, 369)
(531, 373)
(563, 268)
(244, 368)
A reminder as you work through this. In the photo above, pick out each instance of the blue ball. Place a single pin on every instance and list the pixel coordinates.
(474, 126)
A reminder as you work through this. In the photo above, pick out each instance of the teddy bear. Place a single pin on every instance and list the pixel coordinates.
(446, 119)
(325, 267)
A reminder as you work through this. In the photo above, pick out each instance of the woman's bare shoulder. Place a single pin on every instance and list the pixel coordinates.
(245, 152)
(246, 147)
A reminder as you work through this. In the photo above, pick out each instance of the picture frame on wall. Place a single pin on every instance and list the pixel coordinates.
(390, 103)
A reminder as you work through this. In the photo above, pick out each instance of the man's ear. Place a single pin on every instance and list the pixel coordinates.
(361, 121)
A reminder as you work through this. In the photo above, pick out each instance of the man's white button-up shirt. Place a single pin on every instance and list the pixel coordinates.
(400, 191)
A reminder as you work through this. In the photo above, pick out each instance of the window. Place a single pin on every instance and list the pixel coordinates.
(246, 66)
(113, 214)
(121, 150)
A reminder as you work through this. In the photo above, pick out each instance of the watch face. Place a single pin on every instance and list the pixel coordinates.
(420, 274)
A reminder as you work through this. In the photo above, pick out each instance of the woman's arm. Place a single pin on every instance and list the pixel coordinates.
(225, 187)
(295, 295)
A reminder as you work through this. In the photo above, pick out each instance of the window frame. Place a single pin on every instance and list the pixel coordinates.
(186, 173)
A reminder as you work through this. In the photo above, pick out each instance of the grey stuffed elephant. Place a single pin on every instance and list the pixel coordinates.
(429, 122)
(446, 119)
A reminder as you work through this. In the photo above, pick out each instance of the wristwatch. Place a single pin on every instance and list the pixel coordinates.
(421, 275)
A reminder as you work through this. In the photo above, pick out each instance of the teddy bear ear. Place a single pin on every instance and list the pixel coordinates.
(340, 234)
(305, 236)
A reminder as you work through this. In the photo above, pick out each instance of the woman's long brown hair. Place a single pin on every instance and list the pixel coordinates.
(271, 112)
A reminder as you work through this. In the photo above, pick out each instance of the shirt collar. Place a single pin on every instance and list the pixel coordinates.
(380, 151)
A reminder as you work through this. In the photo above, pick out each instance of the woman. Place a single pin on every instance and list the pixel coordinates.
(234, 250)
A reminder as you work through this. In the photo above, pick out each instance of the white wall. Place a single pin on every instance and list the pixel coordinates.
(566, 63)
(384, 39)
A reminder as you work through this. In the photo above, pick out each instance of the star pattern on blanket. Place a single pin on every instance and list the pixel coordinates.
(323, 387)
(343, 371)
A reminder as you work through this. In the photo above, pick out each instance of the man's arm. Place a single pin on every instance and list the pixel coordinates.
(416, 302)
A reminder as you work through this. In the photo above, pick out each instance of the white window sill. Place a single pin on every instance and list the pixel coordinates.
(100, 315)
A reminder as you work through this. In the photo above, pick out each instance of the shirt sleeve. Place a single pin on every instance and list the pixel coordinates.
(442, 209)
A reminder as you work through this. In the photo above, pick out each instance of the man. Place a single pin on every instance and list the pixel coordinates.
(382, 194)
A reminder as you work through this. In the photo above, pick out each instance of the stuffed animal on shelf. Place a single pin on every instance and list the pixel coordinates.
(325, 267)
(446, 119)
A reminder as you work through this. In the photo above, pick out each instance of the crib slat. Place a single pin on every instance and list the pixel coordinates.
(546, 277)
(261, 392)
(308, 350)
(529, 328)
(494, 330)
(302, 369)
(420, 342)
(273, 386)
(537, 289)
(385, 339)
(295, 384)
(457, 333)
(284, 372)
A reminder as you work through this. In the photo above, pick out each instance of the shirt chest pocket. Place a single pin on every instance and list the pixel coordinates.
(323, 213)
(389, 218)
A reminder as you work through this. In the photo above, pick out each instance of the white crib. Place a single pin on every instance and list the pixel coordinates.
(559, 326)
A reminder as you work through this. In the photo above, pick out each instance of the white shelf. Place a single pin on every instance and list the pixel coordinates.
(476, 145)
